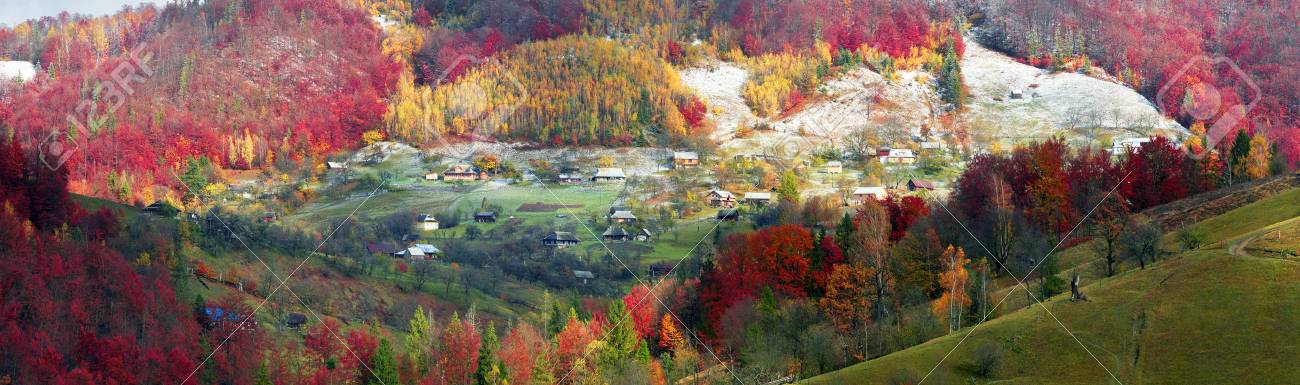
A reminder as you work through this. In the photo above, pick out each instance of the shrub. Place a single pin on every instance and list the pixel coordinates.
(987, 358)
(1191, 239)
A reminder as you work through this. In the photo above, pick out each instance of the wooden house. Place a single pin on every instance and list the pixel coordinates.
(616, 234)
(730, 215)
(460, 172)
(644, 235)
(919, 184)
(758, 198)
(559, 239)
(485, 217)
(720, 198)
(609, 175)
(584, 275)
(873, 192)
(622, 216)
(686, 159)
(568, 179)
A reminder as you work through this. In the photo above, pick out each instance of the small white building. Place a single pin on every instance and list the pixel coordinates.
(898, 156)
(427, 222)
(1123, 146)
(834, 167)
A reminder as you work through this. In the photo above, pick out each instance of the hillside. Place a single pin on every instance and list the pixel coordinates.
(1152, 325)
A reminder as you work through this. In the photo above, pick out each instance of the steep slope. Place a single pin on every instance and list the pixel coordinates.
(1204, 316)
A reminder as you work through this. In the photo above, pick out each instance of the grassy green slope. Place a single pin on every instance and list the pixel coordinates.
(1202, 317)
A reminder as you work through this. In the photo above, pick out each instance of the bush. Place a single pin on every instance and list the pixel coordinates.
(987, 358)
(1191, 239)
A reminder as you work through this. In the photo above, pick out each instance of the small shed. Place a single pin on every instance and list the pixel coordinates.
(660, 269)
(644, 235)
(485, 217)
(1017, 93)
(559, 239)
(336, 165)
(584, 275)
(834, 167)
(730, 215)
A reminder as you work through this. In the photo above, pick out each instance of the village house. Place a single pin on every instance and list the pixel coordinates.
(485, 217)
(1123, 146)
(379, 249)
(622, 216)
(897, 155)
(615, 234)
(875, 192)
(919, 184)
(834, 167)
(460, 172)
(644, 235)
(758, 198)
(720, 198)
(609, 175)
(559, 239)
(686, 159)
(431, 176)
(584, 275)
(426, 222)
(730, 215)
(660, 269)
(568, 179)
(418, 252)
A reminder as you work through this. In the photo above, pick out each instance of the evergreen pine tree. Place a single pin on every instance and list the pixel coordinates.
(384, 365)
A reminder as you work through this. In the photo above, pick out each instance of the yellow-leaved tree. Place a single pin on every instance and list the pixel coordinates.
(1257, 161)
(954, 300)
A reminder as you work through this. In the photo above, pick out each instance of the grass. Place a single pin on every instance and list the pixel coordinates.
(1204, 316)
(1159, 325)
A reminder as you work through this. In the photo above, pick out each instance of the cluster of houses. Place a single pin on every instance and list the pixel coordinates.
(412, 251)
(622, 228)
(726, 199)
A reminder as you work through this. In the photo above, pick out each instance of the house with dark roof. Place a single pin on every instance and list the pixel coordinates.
(731, 215)
(644, 235)
(616, 234)
(559, 239)
(485, 217)
(379, 249)
(660, 269)
(584, 275)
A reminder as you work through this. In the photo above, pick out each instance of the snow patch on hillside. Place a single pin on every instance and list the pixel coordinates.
(719, 84)
(17, 70)
(1050, 103)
